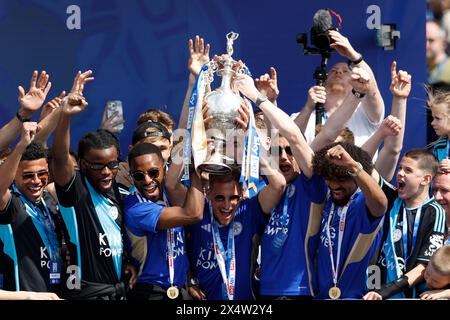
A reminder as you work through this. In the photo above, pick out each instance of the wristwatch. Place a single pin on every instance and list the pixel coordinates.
(355, 62)
(358, 170)
(357, 94)
(193, 282)
(260, 99)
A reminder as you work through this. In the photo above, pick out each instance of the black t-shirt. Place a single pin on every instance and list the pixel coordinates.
(24, 258)
(430, 234)
(86, 233)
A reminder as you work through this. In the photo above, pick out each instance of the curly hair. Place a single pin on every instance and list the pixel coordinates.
(98, 139)
(329, 171)
(34, 151)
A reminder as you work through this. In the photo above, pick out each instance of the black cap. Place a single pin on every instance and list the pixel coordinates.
(141, 132)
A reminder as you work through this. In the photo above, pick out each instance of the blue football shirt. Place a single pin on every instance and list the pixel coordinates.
(361, 237)
(289, 271)
(149, 245)
(248, 221)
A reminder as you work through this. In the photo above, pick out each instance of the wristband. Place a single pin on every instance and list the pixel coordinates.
(396, 286)
(260, 99)
(22, 119)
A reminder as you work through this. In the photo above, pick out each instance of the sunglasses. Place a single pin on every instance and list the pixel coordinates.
(114, 165)
(221, 198)
(287, 149)
(40, 174)
(139, 175)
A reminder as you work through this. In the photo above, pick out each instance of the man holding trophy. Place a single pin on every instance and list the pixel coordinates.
(221, 244)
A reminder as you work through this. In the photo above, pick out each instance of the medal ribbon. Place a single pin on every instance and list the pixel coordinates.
(335, 268)
(227, 267)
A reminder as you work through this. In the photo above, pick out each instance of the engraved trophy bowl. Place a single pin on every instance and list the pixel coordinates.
(223, 106)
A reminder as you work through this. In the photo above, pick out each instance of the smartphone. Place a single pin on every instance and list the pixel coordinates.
(113, 107)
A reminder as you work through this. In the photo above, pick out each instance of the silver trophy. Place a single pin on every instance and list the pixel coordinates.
(223, 106)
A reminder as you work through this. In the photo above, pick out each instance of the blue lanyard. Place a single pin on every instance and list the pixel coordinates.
(407, 255)
(45, 219)
(230, 243)
(285, 206)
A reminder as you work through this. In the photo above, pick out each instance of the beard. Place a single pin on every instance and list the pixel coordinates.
(341, 202)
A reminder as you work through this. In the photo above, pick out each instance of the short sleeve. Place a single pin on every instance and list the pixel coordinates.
(143, 217)
(314, 187)
(434, 228)
(13, 208)
(252, 211)
(70, 194)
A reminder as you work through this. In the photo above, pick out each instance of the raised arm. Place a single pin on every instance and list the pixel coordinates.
(190, 213)
(390, 126)
(198, 56)
(9, 167)
(389, 155)
(280, 120)
(29, 103)
(376, 201)
(49, 118)
(316, 94)
(268, 85)
(74, 103)
(373, 101)
(360, 81)
(271, 194)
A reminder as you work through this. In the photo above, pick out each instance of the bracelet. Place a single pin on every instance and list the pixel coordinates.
(358, 170)
(22, 119)
(357, 94)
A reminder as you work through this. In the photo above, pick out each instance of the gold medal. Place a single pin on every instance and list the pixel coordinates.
(334, 293)
(173, 292)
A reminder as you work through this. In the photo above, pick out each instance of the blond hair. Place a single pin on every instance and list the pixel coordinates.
(441, 261)
(438, 97)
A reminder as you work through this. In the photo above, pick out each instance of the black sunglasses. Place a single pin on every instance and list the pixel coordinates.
(139, 175)
(287, 149)
(30, 175)
(100, 166)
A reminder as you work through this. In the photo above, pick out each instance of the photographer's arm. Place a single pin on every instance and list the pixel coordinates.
(333, 127)
(373, 101)
(316, 94)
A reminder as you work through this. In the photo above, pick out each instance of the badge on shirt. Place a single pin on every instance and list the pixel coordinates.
(113, 212)
(237, 228)
(397, 235)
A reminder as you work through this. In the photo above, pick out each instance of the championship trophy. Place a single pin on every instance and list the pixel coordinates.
(223, 106)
